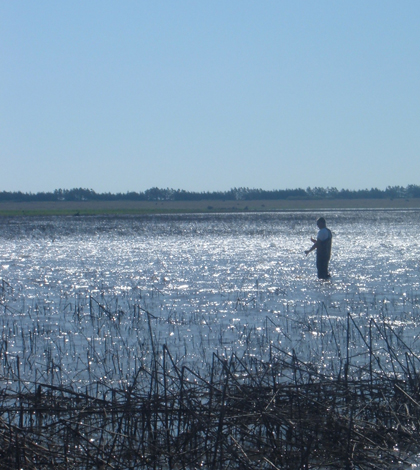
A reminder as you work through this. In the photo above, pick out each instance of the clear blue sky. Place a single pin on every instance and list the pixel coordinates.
(209, 95)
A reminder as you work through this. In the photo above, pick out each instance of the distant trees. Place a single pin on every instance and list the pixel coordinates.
(234, 194)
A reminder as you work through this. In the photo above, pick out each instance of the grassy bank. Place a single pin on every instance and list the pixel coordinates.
(167, 207)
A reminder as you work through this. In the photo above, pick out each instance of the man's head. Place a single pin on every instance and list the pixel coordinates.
(321, 222)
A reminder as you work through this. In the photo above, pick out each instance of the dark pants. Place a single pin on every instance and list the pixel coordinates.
(322, 266)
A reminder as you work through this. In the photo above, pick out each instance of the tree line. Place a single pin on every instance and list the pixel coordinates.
(235, 194)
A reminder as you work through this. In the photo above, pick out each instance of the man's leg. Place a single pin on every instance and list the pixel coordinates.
(322, 266)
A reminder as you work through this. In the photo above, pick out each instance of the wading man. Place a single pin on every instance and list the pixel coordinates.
(322, 245)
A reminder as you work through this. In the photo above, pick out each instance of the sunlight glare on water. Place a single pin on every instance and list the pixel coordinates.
(87, 293)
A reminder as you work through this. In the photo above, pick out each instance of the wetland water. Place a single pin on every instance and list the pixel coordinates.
(90, 299)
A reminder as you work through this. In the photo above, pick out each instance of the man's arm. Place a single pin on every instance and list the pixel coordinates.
(315, 245)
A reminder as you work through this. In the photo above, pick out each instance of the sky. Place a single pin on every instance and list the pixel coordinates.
(199, 95)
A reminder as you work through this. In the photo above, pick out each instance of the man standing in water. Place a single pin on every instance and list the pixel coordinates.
(322, 245)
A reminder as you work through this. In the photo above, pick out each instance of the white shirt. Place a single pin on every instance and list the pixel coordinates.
(323, 235)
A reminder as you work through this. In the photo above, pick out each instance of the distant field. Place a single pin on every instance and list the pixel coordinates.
(149, 207)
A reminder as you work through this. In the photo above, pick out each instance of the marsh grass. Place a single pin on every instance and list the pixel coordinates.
(312, 389)
(79, 208)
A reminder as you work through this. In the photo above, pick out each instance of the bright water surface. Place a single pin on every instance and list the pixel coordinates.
(90, 299)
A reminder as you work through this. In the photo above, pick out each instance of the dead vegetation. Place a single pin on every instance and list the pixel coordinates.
(245, 415)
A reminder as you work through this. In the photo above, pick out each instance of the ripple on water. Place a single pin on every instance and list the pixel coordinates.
(94, 290)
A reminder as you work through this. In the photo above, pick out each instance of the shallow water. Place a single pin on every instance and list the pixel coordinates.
(92, 299)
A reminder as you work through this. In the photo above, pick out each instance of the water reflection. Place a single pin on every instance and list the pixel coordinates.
(92, 297)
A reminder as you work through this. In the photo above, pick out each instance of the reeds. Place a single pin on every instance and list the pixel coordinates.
(244, 415)
(308, 390)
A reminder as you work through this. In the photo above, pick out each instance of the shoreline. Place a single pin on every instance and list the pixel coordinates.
(82, 208)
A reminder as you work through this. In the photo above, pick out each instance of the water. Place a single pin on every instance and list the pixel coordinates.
(90, 299)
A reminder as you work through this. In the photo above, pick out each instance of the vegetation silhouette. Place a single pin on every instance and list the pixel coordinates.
(234, 194)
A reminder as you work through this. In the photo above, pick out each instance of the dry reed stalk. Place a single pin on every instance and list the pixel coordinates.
(241, 417)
